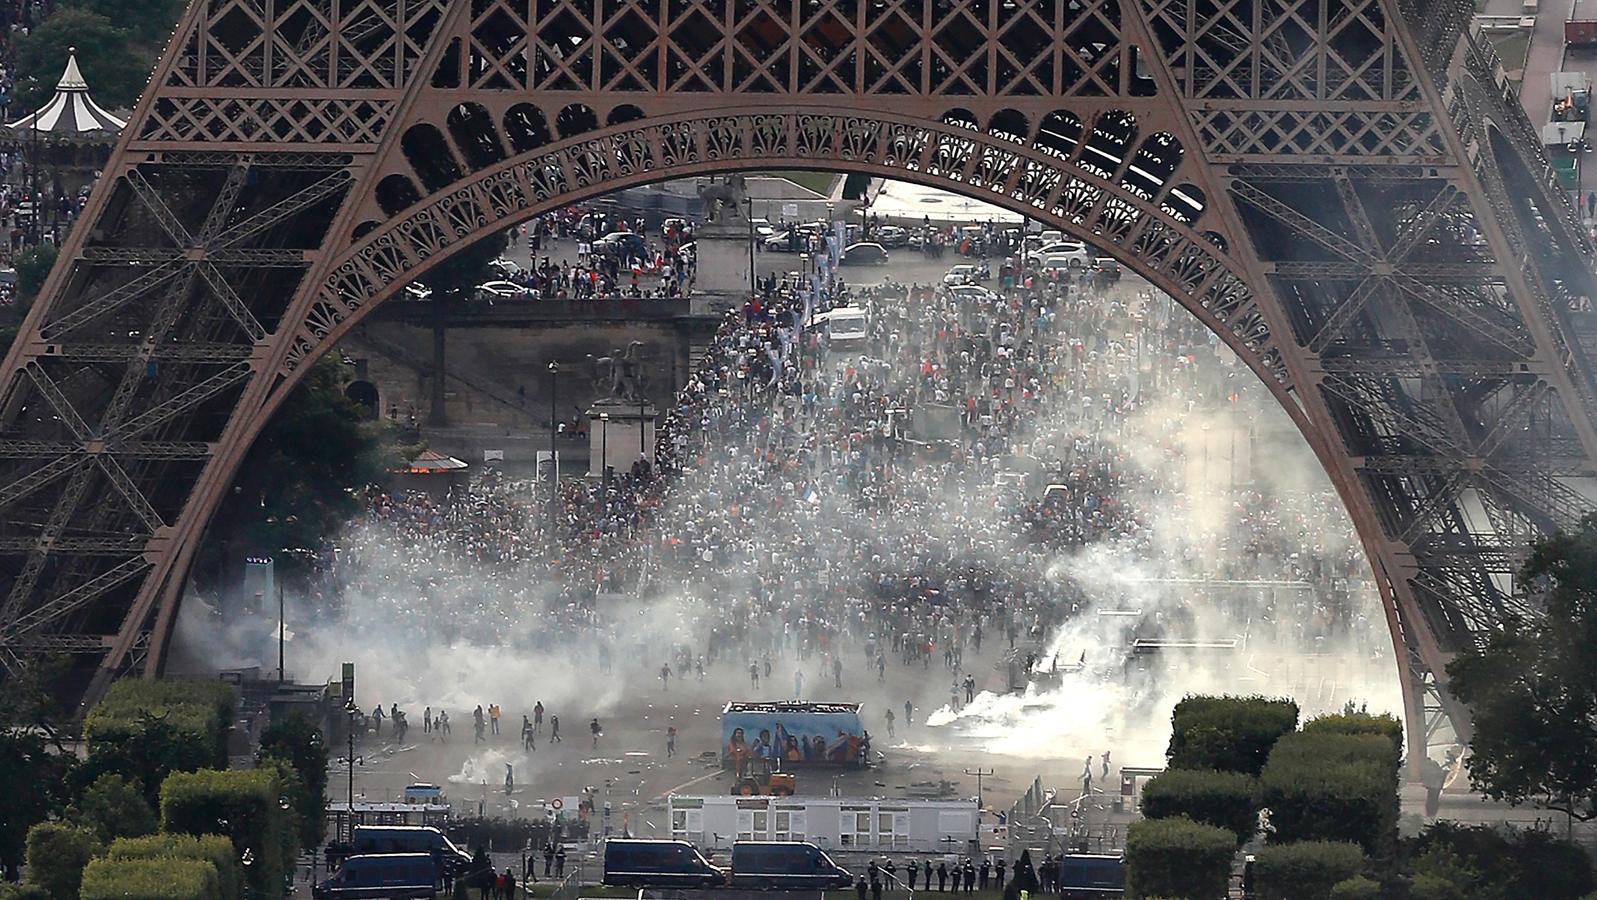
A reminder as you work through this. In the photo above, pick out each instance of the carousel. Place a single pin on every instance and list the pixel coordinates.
(69, 139)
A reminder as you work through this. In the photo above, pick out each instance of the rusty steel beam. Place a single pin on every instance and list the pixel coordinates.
(1404, 277)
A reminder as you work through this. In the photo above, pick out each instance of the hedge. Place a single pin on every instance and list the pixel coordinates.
(150, 879)
(149, 729)
(1356, 888)
(212, 848)
(199, 707)
(1224, 799)
(1231, 734)
(57, 853)
(1332, 787)
(241, 803)
(1307, 870)
(1178, 858)
(1358, 723)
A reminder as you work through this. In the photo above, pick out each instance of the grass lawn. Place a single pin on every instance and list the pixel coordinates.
(1512, 50)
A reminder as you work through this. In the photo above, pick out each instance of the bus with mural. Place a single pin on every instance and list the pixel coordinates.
(783, 735)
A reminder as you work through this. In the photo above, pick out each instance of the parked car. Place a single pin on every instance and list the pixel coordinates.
(643, 863)
(498, 291)
(787, 866)
(417, 291)
(1109, 267)
(763, 228)
(623, 244)
(505, 268)
(962, 274)
(785, 242)
(864, 254)
(891, 236)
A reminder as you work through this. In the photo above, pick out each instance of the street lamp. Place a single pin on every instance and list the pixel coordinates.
(604, 463)
(554, 428)
(350, 711)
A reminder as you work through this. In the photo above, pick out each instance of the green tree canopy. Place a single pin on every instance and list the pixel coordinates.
(300, 745)
(57, 854)
(149, 22)
(113, 63)
(1532, 686)
(32, 781)
(113, 807)
(298, 485)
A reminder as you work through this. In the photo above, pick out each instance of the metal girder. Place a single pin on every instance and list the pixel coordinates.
(1400, 336)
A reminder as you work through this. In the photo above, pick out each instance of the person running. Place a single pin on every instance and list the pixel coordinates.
(665, 677)
(537, 716)
(594, 727)
(909, 715)
(889, 723)
(493, 716)
(478, 722)
(526, 734)
(554, 730)
(670, 741)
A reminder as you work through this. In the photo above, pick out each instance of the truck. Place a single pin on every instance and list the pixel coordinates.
(1580, 29)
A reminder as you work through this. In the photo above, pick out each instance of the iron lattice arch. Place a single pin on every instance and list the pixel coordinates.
(1344, 190)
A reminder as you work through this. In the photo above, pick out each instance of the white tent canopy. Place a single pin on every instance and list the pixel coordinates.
(71, 111)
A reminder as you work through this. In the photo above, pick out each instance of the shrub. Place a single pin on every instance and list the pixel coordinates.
(1178, 858)
(150, 879)
(212, 848)
(57, 854)
(1521, 863)
(1223, 799)
(242, 804)
(23, 891)
(146, 730)
(1358, 723)
(113, 807)
(1231, 734)
(1332, 787)
(1306, 870)
(1356, 888)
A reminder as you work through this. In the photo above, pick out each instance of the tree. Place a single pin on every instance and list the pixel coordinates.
(300, 745)
(1178, 858)
(33, 266)
(1532, 686)
(57, 854)
(111, 60)
(32, 781)
(298, 485)
(149, 22)
(1231, 734)
(113, 807)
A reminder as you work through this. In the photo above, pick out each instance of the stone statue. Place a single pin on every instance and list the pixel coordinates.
(725, 197)
(620, 375)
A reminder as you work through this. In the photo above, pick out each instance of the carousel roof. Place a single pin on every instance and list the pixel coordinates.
(71, 110)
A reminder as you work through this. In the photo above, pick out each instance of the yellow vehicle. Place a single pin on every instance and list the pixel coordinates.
(775, 784)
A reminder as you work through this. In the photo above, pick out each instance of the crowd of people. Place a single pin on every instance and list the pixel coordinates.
(892, 500)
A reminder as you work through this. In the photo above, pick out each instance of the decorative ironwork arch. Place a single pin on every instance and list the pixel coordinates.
(1347, 194)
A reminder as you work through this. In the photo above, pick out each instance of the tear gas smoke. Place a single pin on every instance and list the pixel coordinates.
(1195, 515)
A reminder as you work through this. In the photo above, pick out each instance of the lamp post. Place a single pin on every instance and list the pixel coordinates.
(753, 274)
(604, 463)
(350, 710)
(554, 430)
(280, 629)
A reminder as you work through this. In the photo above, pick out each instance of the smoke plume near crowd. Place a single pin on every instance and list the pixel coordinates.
(791, 520)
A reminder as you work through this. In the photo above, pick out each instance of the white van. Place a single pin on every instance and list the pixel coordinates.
(844, 326)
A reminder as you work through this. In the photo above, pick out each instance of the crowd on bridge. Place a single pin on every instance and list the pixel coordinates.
(823, 511)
